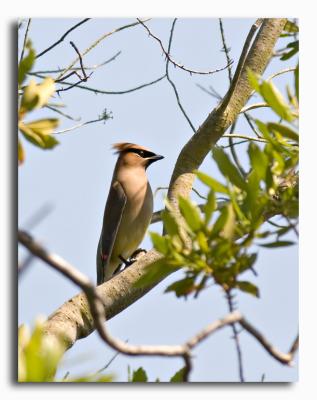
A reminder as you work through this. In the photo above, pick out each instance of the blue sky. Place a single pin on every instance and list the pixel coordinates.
(74, 179)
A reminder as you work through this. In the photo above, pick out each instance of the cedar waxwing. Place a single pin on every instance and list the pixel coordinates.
(128, 209)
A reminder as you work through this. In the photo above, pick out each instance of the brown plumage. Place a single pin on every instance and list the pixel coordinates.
(128, 210)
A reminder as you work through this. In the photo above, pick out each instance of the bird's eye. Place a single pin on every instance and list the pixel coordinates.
(141, 153)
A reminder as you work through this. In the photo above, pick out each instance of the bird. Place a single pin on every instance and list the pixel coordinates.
(128, 209)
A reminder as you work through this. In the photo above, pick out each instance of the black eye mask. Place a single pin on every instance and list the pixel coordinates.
(141, 153)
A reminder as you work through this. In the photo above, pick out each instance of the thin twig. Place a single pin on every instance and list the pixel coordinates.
(61, 113)
(241, 62)
(62, 37)
(99, 91)
(212, 92)
(80, 61)
(252, 107)
(236, 336)
(249, 121)
(25, 38)
(94, 44)
(176, 64)
(72, 85)
(55, 71)
(170, 80)
(225, 49)
(236, 136)
(101, 118)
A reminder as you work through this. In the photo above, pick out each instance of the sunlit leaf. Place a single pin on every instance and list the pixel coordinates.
(227, 168)
(170, 223)
(254, 80)
(37, 95)
(290, 27)
(190, 212)
(258, 160)
(33, 133)
(275, 100)
(284, 131)
(155, 273)
(21, 155)
(211, 182)
(210, 206)
(159, 242)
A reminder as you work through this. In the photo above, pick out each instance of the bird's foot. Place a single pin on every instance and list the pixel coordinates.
(134, 257)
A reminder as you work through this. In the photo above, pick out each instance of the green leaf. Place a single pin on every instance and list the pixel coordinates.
(296, 75)
(159, 242)
(275, 100)
(228, 228)
(294, 46)
(258, 160)
(210, 206)
(170, 223)
(155, 273)
(290, 27)
(39, 355)
(284, 131)
(211, 182)
(21, 154)
(43, 126)
(26, 63)
(227, 168)
(254, 80)
(248, 287)
(178, 376)
(190, 212)
(202, 241)
(139, 375)
(281, 243)
(37, 95)
(183, 287)
(33, 133)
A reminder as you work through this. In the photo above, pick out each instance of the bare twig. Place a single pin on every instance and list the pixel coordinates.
(252, 107)
(61, 112)
(99, 91)
(236, 136)
(84, 79)
(249, 121)
(170, 80)
(94, 44)
(283, 358)
(235, 336)
(62, 37)
(103, 117)
(226, 50)
(212, 92)
(94, 67)
(25, 38)
(168, 56)
(241, 62)
(72, 85)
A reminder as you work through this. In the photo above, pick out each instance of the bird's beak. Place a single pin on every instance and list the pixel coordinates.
(154, 158)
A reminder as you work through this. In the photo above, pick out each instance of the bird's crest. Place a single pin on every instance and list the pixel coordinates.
(121, 147)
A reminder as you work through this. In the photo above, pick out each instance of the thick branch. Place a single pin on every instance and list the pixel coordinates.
(73, 318)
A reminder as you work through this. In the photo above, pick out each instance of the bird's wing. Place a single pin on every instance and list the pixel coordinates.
(111, 221)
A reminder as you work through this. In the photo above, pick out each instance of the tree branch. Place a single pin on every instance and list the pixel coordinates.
(94, 300)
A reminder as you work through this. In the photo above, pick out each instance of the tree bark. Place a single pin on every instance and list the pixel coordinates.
(73, 320)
